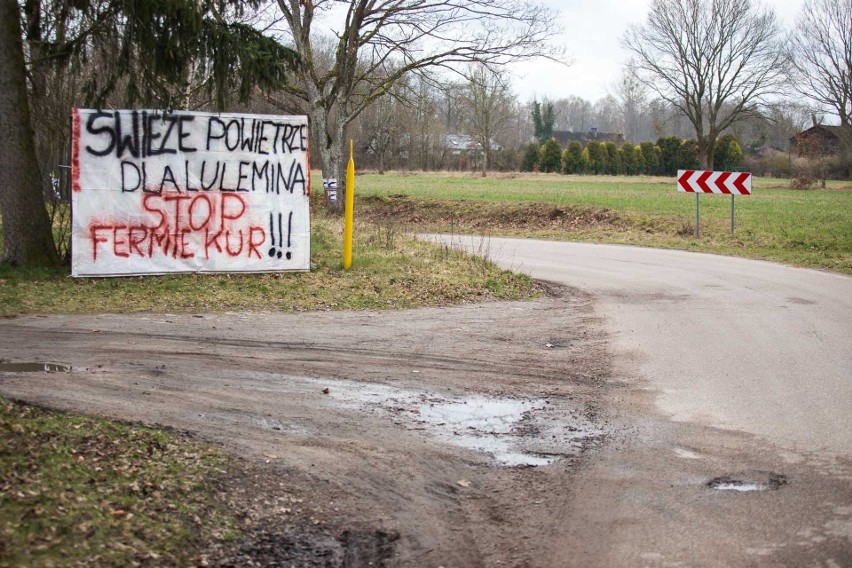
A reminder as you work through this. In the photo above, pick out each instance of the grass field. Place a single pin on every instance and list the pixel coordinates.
(810, 228)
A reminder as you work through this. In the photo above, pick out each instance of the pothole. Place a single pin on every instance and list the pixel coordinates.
(33, 367)
(763, 481)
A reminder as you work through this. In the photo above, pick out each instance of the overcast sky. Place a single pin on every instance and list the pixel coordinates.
(592, 29)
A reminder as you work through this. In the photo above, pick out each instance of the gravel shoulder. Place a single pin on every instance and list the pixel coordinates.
(332, 402)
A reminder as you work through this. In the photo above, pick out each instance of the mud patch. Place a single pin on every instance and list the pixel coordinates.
(512, 432)
(33, 367)
(293, 545)
(300, 534)
(800, 301)
(479, 217)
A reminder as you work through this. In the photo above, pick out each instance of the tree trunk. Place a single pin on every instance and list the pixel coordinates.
(330, 143)
(27, 236)
(485, 161)
(333, 165)
(706, 147)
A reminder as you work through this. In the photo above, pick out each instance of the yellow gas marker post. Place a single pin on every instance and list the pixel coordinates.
(348, 211)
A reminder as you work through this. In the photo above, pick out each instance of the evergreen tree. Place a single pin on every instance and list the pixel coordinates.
(613, 159)
(538, 125)
(669, 154)
(531, 157)
(543, 123)
(585, 162)
(573, 158)
(734, 157)
(550, 156)
(727, 154)
(597, 157)
(547, 122)
(639, 161)
(687, 156)
(628, 159)
(651, 157)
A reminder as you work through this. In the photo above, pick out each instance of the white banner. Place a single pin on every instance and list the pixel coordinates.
(156, 192)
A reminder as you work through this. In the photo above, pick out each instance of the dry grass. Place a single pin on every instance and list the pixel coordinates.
(78, 491)
(391, 269)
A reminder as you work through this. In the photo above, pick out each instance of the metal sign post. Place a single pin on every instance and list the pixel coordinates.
(696, 215)
(732, 215)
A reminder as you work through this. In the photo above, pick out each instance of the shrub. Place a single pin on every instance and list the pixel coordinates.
(727, 154)
(773, 165)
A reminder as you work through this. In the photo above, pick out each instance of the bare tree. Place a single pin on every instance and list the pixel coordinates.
(380, 127)
(714, 60)
(574, 113)
(487, 99)
(427, 130)
(632, 96)
(820, 49)
(607, 115)
(381, 41)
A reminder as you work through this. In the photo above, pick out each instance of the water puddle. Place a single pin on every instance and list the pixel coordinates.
(767, 481)
(739, 486)
(33, 368)
(277, 425)
(485, 425)
(514, 432)
(686, 454)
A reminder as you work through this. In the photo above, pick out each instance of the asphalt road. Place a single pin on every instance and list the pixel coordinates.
(725, 342)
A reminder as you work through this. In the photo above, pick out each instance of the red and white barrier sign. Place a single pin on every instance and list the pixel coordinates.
(724, 183)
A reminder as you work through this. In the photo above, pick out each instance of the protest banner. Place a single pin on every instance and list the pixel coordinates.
(157, 192)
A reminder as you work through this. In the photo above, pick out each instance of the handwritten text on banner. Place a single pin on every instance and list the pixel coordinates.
(156, 192)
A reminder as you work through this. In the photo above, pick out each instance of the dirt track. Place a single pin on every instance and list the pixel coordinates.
(339, 416)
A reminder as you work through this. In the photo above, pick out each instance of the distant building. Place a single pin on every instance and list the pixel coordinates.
(458, 143)
(768, 151)
(820, 140)
(566, 136)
